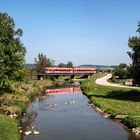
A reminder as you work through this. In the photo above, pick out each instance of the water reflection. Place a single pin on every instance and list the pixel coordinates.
(63, 114)
(28, 119)
(68, 90)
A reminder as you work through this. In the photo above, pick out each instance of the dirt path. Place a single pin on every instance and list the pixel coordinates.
(103, 81)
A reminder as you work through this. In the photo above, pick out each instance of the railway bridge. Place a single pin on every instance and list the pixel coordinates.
(56, 75)
(72, 72)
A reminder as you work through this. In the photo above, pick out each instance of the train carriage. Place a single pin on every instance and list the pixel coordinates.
(57, 70)
(84, 70)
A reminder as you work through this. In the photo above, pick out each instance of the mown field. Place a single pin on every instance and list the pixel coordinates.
(115, 101)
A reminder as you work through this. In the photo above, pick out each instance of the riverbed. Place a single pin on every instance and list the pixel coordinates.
(64, 114)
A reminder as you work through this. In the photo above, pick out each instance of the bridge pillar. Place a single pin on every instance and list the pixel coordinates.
(85, 76)
(72, 76)
(56, 76)
(39, 77)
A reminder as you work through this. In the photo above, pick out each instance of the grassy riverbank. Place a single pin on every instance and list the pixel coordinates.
(115, 101)
(8, 128)
(15, 103)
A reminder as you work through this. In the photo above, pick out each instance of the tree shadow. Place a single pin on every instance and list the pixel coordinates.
(132, 95)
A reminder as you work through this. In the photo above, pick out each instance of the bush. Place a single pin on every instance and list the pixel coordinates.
(132, 122)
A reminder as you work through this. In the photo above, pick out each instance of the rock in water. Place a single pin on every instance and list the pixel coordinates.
(36, 133)
(28, 132)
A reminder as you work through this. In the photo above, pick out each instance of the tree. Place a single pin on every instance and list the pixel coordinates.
(134, 44)
(62, 65)
(41, 62)
(121, 72)
(12, 52)
(69, 64)
(122, 65)
(138, 30)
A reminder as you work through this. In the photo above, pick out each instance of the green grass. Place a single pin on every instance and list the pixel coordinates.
(8, 128)
(114, 100)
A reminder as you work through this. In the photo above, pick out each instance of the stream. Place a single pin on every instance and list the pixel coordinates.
(64, 114)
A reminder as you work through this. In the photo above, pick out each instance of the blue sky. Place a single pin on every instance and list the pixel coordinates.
(81, 31)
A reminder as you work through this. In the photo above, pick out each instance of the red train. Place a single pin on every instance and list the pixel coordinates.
(47, 70)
